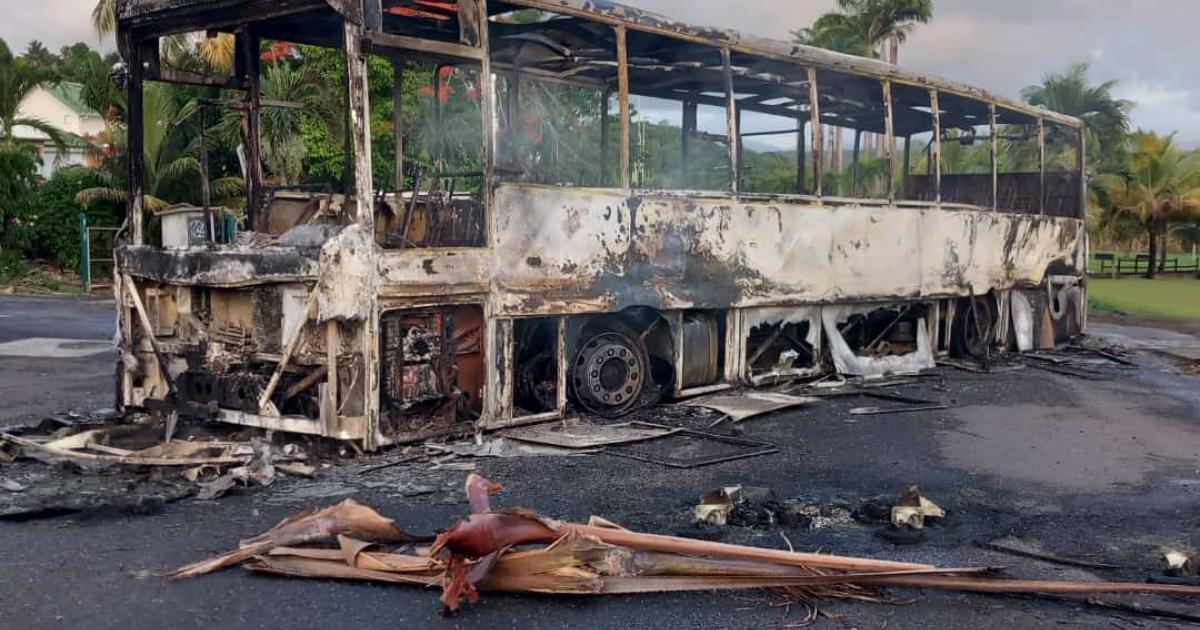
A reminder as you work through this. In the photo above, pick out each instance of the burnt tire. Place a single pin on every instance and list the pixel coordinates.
(609, 373)
(974, 328)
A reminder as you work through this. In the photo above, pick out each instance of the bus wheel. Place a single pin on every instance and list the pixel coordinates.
(609, 373)
(974, 326)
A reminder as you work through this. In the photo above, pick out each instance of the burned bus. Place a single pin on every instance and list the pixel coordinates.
(581, 207)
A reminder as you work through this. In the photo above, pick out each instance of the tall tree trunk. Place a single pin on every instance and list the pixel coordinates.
(1162, 254)
(1153, 253)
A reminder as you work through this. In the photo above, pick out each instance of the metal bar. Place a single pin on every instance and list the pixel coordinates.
(801, 157)
(733, 122)
(431, 47)
(182, 77)
(935, 161)
(85, 253)
(562, 365)
(1042, 168)
(685, 135)
(1080, 166)
(854, 163)
(241, 105)
(604, 97)
(398, 125)
(439, 110)
(488, 113)
(513, 96)
(359, 110)
(778, 132)
(623, 99)
(329, 403)
(205, 184)
(135, 141)
(995, 147)
(818, 140)
(248, 45)
(889, 140)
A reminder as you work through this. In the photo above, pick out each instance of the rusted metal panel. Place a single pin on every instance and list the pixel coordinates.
(163, 17)
(572, 251)
(231, 267)
(433, 272)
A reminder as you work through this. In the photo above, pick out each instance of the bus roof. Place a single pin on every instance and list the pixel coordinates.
(615, 13)
(201, 14)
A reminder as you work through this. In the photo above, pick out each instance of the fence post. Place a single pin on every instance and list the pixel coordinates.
(85, 254)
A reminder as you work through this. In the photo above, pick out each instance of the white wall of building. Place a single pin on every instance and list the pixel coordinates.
(42, 104)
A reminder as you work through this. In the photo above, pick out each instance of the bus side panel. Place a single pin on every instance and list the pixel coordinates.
(965, 251)
(561, 251)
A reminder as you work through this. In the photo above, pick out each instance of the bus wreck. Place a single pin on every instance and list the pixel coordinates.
(589, 213)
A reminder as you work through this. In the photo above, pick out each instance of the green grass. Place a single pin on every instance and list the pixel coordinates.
(1172, 298)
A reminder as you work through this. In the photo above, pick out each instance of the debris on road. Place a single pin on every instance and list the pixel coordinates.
(213, 465)
(753, 506)
(10, 485)
(587, 436)
(878, 411)
(715, 505)
(741, 405)
(519, 551)
(912, 509)
(1178, 562)
(1018, 548)
(685, 448)
(506, 448)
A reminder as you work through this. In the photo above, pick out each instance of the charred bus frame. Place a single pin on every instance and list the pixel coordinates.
(507, 292)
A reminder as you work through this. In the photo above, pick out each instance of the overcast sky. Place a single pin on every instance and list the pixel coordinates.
(1149, 46)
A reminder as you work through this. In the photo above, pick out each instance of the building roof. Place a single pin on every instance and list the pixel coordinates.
(71, 95)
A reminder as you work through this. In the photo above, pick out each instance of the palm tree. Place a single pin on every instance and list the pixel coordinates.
(104, 17)
(1105, 116)
(37, 52)
(864, 27)
(18, 160)
(216, 51)
(1161, 183)
(170, 163)
(18, 77)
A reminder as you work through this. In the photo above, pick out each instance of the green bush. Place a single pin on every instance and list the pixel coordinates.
(18, 175)
(49, 216)
(12, 266)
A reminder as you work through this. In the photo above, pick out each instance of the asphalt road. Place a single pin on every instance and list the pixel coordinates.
(1105, 470)
(56, 356)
